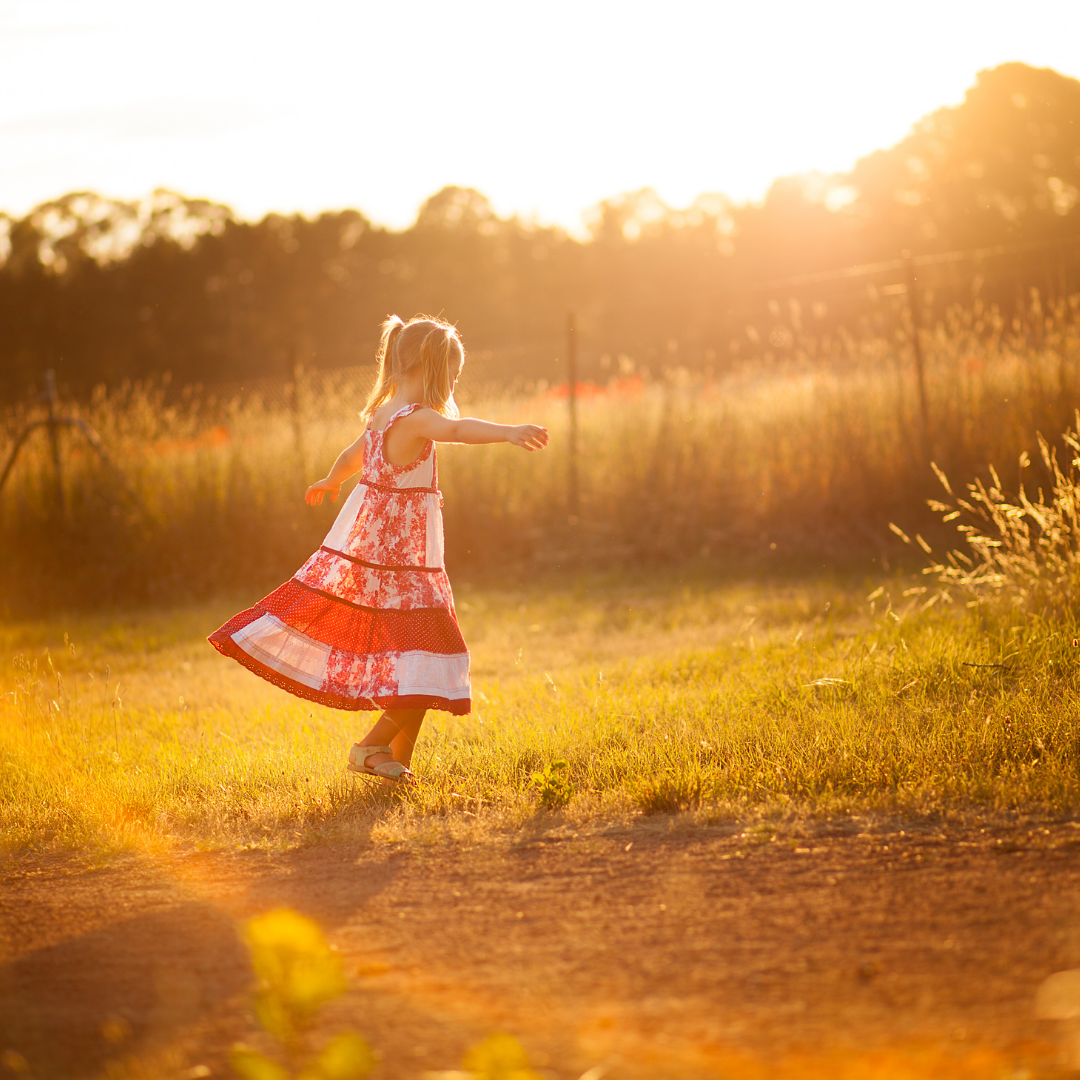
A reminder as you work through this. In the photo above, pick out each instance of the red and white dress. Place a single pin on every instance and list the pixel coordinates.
(368, 621)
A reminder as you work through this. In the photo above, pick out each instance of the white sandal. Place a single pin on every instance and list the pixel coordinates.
(388, 770)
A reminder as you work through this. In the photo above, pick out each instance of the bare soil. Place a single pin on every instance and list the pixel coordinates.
(659, 948)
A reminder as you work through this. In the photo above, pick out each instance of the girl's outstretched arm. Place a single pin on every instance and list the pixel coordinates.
(428, 424)
(349, 461)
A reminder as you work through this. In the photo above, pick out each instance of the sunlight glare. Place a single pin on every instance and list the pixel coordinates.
(545, 110)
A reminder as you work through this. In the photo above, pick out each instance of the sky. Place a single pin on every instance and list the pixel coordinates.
(547, 108)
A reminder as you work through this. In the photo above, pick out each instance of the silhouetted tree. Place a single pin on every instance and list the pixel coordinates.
(104, 290)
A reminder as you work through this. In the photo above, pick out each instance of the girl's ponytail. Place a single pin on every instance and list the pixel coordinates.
(440, 353)
(386, 382)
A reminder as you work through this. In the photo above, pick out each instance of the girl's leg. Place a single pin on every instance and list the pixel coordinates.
(398, 729)
(404, 743)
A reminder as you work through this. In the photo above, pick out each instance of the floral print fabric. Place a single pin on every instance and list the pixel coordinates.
(368, 621)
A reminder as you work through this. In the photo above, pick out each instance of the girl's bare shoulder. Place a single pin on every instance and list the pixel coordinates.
(378, 419)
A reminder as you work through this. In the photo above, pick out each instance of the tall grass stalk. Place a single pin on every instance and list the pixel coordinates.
(805, 459)
(1021, 547)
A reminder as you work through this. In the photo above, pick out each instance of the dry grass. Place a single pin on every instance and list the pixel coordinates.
(1022, 547)
(795, 463)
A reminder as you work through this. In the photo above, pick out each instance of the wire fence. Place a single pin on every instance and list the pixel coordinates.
(905, 294)
(768, 319)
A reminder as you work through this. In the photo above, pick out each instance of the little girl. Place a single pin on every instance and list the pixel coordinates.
(368, 621)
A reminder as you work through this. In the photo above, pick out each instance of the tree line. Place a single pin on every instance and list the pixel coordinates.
(104, 290)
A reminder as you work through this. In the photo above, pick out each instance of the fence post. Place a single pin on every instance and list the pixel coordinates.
(916, 343)
(296, 408)
(53, 428)
(571, 398)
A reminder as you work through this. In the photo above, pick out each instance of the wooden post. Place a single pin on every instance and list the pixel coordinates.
(571, 372)
(916, 343)
(296, 407)
(53, 428)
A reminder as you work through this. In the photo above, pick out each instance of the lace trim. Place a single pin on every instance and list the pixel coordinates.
(227, 647)
(379, 566)
(362, 607)
(392, 490)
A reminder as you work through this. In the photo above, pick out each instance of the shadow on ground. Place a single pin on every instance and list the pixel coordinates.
(67, 1007)
(69, 1003)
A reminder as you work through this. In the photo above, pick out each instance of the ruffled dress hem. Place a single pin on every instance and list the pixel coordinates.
(225, 645)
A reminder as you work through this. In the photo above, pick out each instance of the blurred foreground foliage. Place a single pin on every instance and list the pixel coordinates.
(297, 973)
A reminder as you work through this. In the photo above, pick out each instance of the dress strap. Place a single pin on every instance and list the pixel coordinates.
(429, 449)
(406, 411)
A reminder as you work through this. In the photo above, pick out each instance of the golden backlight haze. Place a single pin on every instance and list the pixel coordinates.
(547, 109)
(772, 768)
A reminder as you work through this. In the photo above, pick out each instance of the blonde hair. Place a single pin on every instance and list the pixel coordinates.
(422, 342)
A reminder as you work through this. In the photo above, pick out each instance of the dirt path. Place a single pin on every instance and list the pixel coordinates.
(662, 949)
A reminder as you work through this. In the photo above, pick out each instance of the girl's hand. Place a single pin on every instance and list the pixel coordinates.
(314, 494)
(528, 436)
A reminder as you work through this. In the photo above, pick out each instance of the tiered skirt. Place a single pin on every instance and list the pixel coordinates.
(356, 632)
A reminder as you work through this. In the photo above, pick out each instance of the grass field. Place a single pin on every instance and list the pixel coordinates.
(661, 693)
